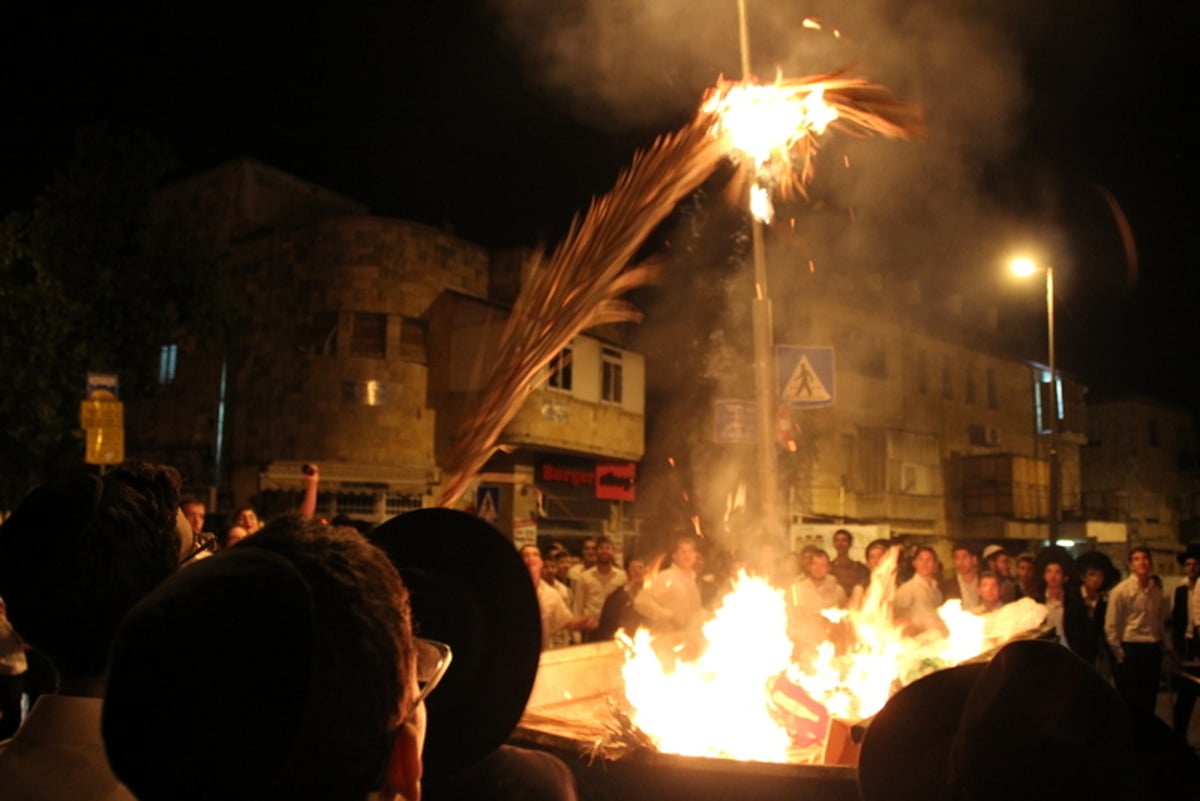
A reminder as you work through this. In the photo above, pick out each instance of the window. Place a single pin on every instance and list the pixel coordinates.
(168, 357)
(398, 504)
(369, 339)
(947, 380)
(560, 371)
(1046, 401)
(322, 334)
(922, 373)
(871, 476)
(993, 398)
(365, 393)
(970, 384)
(611, 375)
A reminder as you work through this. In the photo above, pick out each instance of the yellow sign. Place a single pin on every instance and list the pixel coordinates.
(102, 386)
(105, 446)
(101, 414)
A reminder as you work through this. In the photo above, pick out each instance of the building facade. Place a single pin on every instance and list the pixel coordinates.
(924, 430)
(358, 343)
(1140, 470)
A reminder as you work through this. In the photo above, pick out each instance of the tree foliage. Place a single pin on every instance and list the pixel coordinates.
(92, 280)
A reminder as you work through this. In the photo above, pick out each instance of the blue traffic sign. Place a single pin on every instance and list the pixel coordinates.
(805, 376)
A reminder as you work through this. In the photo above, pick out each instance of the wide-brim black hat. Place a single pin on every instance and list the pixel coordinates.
(1034, 722)
(1191, 552)
(469, 589)
(1054, 554)
(1095, 560)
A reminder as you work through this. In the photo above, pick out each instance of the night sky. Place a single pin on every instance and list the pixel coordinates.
(501, 119)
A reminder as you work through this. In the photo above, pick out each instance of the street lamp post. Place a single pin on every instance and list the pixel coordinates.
(764, 375)
(1026, 267)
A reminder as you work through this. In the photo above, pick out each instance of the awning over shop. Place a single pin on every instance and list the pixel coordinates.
(350, 476)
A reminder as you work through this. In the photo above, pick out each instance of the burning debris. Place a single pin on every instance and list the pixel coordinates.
(774, 128)
(752, 695)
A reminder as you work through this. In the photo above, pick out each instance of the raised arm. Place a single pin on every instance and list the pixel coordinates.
(312, 477)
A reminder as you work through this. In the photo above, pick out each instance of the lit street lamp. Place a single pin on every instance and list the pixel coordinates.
(1024, 268)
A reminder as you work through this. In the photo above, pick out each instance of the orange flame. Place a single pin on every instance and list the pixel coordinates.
(763, 124)
(747, 670)
(774, 128)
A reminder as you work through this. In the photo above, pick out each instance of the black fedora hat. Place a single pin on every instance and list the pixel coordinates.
(1190, 552)
(1056, 555)
(469, 589)
(1034, 722)
(1095, 560)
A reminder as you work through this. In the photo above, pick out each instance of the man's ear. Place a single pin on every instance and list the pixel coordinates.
(403, 774)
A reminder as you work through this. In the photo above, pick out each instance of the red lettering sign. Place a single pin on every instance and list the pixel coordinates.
(563, 475)
(616, 481)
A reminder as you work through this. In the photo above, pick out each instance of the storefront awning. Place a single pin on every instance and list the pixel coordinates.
(351, 476)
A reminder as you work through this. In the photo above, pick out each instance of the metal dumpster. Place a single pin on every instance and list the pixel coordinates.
(569, 714)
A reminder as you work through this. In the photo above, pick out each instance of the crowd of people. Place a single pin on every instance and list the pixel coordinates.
(292, 665)
(302, 647)
(1119, 628)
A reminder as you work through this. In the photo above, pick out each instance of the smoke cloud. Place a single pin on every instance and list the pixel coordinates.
(938, 211)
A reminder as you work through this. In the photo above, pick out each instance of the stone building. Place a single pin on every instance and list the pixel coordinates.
(1140, 470)
(357, 342)
(929, 430)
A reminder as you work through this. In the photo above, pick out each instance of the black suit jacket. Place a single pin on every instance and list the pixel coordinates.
(1179, 617)
(1085, 635)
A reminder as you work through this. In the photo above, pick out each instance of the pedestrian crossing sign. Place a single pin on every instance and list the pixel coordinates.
(805, 376)
(487, 503)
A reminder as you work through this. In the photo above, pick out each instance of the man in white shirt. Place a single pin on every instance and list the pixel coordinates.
(556, 617)
(589, 560)
(597, 583)
(807, 597)
(671, 601)
(915, 607)
(1135, 632)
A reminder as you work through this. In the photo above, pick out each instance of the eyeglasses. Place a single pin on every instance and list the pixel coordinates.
(206, 542)
(433, 660)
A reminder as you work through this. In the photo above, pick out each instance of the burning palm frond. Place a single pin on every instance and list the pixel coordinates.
(581, 284)
(775, 126)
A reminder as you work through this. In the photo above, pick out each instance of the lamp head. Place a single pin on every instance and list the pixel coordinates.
(1023, 267)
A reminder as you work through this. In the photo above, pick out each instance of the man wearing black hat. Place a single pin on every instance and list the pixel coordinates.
(326, 700)
(471, 590)
(1034, 722)
(74, 557)
(1185, 635)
